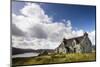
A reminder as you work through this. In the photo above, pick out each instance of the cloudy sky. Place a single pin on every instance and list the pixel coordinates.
(44, 25)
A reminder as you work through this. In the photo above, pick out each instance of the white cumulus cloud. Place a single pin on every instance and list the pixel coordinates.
(92, 37)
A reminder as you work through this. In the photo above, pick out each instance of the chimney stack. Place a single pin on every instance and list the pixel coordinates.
(86, 34)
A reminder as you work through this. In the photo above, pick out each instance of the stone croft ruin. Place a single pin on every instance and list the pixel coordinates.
(80, 44)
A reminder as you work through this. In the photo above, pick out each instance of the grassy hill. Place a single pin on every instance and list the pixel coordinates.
(55, 58)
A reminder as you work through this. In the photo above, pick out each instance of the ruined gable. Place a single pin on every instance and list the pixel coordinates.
(61, 48)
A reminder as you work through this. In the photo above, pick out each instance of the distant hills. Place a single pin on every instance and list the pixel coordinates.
(21, 51)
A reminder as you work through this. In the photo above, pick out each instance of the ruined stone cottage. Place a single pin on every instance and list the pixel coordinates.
(80, 44)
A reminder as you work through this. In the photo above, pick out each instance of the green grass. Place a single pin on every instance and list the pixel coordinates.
(55, 58)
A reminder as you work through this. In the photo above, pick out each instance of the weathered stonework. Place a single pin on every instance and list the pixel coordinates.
(80, 44)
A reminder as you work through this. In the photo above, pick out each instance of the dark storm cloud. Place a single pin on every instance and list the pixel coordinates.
(16, 31)
(38, 32)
